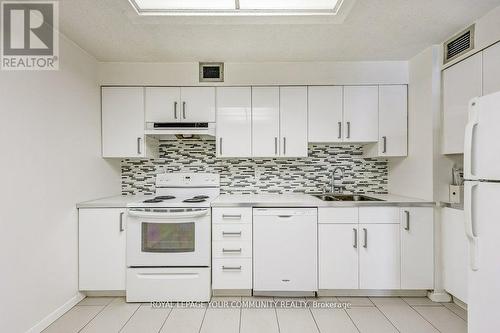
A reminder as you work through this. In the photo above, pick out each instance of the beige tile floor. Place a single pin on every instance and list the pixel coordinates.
(365, 315)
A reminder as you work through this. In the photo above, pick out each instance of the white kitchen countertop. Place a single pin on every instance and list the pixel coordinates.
(117, 201)
(268, 200)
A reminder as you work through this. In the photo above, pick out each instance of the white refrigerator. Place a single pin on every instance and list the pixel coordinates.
(482, 213)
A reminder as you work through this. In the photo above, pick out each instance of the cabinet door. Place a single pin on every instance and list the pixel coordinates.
(491, 69)
(325, 113)
(123, 122)
(234, 122)
(338, 256)
(361, 114)
(162, 104)
(293, 121)
(379, 256)
(461, 83)
(265, 121)
(417, 248)
(101, 249)
(197, 104)
(393, 113)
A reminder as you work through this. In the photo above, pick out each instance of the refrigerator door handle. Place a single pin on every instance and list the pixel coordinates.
(468, 141)
(469, 224)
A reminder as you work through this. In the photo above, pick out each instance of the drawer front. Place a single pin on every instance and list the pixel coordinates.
(232, 249)
(342, 215)
(232, 274)
(232, 232)
(231, 215)
(379, 215)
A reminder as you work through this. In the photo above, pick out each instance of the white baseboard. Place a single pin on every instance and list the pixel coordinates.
(439, 296)
(372, 292)
(52, 317)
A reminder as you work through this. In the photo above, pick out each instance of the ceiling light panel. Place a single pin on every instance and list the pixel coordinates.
(166, 5)
(288, 4)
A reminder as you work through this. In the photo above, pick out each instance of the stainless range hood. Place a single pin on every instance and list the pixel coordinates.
(175, 128)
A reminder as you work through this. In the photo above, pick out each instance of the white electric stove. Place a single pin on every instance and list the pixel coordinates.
(168, 239)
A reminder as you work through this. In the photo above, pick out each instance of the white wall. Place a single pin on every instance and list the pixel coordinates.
(50, 144)
(414, 176)
(185, 74)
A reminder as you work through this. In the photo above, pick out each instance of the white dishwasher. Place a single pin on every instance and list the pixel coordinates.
(285, 250)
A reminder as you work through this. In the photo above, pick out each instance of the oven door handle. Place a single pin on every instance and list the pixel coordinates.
(167, 215)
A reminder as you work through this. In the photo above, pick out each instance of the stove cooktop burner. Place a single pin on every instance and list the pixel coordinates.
(153, 200)
(165, 197)
(194, 199)
(201, 197)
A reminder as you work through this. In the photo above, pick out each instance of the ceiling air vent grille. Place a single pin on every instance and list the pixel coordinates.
(459, 44)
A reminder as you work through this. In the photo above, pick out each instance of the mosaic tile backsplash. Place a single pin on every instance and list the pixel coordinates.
(248, 176)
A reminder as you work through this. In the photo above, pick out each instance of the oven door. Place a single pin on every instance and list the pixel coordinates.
(168, 237)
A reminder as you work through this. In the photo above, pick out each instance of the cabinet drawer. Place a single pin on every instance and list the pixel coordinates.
(345, 215)
(232, 249)
(231, 215)
(235, 232)
(381, 215)
(232, 274)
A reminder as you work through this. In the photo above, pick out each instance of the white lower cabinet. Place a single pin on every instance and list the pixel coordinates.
(379, 248)
(338, 256)
(101, 249)
(232, 249)
(379, 256)
(417, 248)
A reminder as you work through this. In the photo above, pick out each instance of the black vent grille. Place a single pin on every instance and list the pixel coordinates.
(459, 44)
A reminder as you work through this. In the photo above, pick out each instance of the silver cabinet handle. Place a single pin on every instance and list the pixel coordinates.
(231, 268)
(384, 150)
(122, 228)
(407, 220)
(365, 240)
(340, 130)
(175, 110)
(220, 146)
(184, 110)
(225, 233)
(235, 217)
(139, 146)
(231, 250)
(355, 241)
(348, 130)
(284, 146)
(275, 146)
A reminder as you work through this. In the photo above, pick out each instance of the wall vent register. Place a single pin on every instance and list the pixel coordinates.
(459, 44)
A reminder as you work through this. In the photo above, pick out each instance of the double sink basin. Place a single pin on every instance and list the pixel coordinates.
(345, 197)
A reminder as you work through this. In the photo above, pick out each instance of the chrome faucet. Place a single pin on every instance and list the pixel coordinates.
(333, 187)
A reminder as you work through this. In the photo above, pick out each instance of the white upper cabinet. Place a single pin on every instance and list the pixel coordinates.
(265, 121)
(162, 104)
(392, 123)
(175, 104)
(325, 113)
(197, 104)
(361, 114)
(417, 248)
(293, 121)
(123, 122)
(234, 121)
(461, 83)
(491, 69)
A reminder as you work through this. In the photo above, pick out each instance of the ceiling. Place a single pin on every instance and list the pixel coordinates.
(372, 30)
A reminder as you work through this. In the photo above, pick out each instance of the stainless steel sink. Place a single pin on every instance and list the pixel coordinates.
(345, 197)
